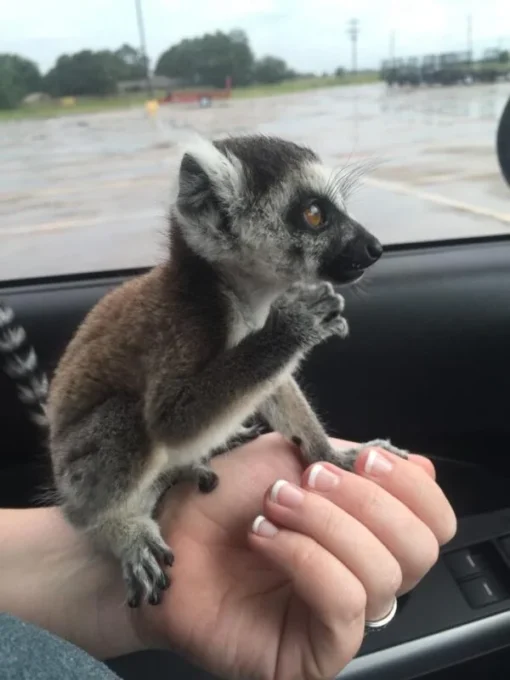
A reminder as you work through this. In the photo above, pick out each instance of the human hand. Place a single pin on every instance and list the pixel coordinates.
(292, 603)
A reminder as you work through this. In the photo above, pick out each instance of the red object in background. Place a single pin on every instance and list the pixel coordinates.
(188, 96)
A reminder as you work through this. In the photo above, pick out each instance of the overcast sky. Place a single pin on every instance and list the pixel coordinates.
(309, 34)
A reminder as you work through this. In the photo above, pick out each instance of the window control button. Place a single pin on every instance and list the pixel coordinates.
(482, 591)
(464, 563)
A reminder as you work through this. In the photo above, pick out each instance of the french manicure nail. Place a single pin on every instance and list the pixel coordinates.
(376, 464)
(286, 494)
(322, 479)
(262, 527)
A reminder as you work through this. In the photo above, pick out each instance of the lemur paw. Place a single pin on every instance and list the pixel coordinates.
(314, 312)
(346, 458)
(207, 479)
(143, 566)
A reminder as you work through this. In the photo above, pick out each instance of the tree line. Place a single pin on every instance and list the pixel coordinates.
(202, 61)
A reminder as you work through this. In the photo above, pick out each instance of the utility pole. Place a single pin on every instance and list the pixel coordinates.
(470, 36)
(143, 47)
(392, 47)
(353, 32)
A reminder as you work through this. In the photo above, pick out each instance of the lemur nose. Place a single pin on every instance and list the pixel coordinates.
(374, 250)
(363, 250)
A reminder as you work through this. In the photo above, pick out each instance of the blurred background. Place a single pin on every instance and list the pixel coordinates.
(96, 98)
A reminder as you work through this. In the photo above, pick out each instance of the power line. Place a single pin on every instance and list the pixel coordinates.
(353, 32)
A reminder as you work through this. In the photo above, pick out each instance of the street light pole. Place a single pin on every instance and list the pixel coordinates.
(143, 47)
(353, 32)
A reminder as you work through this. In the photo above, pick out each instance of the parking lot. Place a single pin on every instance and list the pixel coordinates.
(82, 193)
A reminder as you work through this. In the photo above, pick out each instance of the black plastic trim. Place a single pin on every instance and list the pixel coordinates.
(435, 652)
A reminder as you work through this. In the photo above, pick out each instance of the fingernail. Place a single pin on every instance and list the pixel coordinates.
(322, 479)
(376, 464)
(262, 527)
(286, 494)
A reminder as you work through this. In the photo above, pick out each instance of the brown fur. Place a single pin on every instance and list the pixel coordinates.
(171, 319)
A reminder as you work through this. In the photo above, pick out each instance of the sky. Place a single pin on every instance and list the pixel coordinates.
(311, 35)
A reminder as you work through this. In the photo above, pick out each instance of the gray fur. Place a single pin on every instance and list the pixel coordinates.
(166, 371)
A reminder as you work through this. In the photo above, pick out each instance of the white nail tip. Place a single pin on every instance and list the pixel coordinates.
(371, 458)
(313, 475)
(256, 523)
(276, 490)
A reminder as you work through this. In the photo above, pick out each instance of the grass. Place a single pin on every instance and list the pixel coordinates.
(53, 109)
(86, 105)
(303, 84)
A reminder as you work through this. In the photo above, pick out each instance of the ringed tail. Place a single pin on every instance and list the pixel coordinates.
(19, 361)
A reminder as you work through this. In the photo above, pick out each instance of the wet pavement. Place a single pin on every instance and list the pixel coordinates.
(90, 192)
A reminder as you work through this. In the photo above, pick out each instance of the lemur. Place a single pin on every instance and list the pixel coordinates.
(166, 369)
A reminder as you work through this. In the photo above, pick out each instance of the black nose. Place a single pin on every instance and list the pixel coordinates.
(363, 250)
(374, 250)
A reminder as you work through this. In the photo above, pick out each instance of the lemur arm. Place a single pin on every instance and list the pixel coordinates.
(287, 411)
(233, 383)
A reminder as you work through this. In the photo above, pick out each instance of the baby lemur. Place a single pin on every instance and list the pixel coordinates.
(167, 368)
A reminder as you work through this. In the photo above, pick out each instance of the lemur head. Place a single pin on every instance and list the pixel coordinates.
(270, 208)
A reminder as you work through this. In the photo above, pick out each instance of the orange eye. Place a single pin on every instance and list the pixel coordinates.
(313, 216)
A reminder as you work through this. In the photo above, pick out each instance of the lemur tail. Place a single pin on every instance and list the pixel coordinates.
(19, 360)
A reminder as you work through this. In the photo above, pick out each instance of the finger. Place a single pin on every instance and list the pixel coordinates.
(424, 463)
(421, 461)
(334, 595)
(343, 536)
(407, 537)
(415, 489)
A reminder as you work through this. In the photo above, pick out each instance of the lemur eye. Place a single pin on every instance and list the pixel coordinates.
(313, 216)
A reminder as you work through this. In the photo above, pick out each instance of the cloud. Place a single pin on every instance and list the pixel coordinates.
(309, 35)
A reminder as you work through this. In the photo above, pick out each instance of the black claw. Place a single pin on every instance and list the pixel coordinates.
(168, 559)
(155, 597)
(297, 441)
(163, 581)
(208, 483)
(134, 601)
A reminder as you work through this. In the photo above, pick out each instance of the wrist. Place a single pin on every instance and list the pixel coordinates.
(52, 577)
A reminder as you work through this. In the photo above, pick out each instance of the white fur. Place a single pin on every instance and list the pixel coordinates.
(322, 179)
(224, 170)
(12, 339)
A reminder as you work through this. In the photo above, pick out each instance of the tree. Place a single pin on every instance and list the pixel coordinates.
(83, 73)
(209, 59)
(18, 77)
(132, 64)
(271, 70)
(340, 72)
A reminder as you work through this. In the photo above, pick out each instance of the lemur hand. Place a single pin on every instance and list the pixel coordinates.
(313, 313)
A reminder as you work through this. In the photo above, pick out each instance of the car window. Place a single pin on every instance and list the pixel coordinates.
(97, 97)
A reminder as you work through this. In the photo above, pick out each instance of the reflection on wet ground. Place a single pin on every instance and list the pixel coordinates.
(90, 192)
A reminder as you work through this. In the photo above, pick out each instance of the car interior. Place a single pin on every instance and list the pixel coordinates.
(426, 366)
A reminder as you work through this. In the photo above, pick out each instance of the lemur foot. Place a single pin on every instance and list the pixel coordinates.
(143, 564)
(207, 479)
(346, 458)
(201, 473)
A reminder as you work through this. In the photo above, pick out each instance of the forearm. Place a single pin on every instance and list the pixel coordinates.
(50, 576)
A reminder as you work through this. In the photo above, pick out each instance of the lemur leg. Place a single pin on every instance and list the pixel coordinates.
(109, 482)
(288, 412)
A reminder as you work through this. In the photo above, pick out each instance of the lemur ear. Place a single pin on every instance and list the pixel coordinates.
(207, 173)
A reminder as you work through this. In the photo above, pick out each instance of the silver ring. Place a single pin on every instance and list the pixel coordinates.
(382, 623)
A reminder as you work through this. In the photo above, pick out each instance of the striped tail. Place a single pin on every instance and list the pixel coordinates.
(19, 360)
